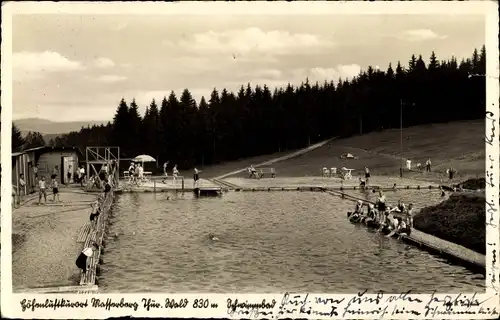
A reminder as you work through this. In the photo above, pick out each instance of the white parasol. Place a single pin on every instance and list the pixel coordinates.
(144, 158)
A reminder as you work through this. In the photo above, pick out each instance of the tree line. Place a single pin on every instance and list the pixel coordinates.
(31, 140)
(257, 120)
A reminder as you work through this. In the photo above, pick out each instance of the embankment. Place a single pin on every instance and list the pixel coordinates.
(473, 184)
(459, 219)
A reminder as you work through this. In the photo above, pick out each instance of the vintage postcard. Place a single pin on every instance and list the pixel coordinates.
(250, 160)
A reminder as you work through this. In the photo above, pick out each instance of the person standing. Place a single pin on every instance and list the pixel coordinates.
(196, 177)
(408, 164)
(131, 173)
(381, 206)
(55, 190)
(35, 172)
(175, 172)
(42, 191)
(451, 173)
(428, 165)
(69, 173)
(141, 172)
(165, 172)
(22, 186)
(77, 174)
(137, 174)
(55, 172)
(367, 175)
(82, 175)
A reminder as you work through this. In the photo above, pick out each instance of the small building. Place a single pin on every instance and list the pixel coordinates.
(23, 163)
(47, 158)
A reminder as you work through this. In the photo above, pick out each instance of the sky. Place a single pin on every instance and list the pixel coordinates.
(69, 67)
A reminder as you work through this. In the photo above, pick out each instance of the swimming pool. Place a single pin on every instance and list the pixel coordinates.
(269, 242)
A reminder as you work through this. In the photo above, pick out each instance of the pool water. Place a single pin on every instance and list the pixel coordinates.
(268, 242)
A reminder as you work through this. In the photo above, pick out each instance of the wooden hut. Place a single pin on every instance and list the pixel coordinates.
(47, 158)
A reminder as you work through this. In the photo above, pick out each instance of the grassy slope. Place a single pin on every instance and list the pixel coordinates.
(460, 144)
(460, 219)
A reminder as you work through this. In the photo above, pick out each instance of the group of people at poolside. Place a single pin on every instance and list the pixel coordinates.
(43, 184)
(175, 174)
(54, 185)
(398, 220)
(136, 174)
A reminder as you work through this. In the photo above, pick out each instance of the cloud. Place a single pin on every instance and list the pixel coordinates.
(267, 73)
(104, 63)
(119, 26)
(33, 64)
(253, 40)
(421, 35)
(109, 78)
(321, 74)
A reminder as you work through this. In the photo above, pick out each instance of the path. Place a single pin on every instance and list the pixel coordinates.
(44, 240)
(286, 157)
(380, 181)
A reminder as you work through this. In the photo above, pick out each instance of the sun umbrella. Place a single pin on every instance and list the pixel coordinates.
(144, 158)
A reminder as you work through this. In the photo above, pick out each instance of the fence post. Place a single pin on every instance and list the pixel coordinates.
(182, 183)
(154, 185)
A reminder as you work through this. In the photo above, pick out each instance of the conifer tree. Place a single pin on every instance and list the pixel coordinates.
(261, 119)
(17, 139)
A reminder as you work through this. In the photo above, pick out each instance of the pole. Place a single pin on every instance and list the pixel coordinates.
(401, 134)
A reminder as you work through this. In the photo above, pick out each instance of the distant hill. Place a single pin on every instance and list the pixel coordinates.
(47, 127)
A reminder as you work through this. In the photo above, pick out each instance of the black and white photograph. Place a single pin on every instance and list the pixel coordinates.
(254, 153)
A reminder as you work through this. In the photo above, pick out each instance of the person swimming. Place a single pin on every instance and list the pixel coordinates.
(399, 208)
(442, 191)
(362, 183)
(213, 237)
(371, 215)
(359, 207)
(358, 210)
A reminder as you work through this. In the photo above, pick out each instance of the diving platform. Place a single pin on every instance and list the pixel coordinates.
(207, 192)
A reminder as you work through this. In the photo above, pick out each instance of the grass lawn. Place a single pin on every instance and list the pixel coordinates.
(459, 144)
(459, 219)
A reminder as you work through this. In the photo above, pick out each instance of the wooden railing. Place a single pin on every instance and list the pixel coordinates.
(95, 235)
